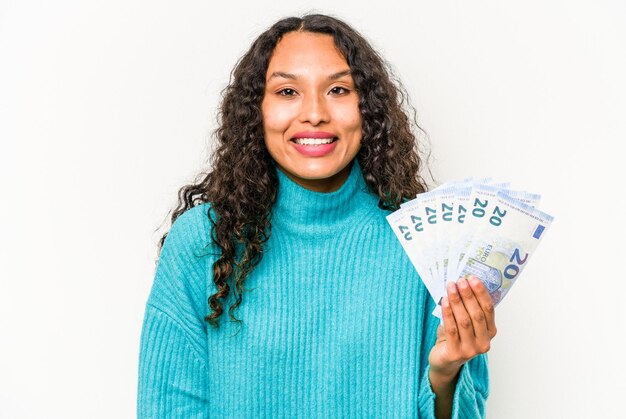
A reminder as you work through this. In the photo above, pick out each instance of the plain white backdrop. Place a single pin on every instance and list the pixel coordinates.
(106, 109)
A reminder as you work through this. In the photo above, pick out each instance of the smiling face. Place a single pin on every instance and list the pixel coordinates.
(310, 108)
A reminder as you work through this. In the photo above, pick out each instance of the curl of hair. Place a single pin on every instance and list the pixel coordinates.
(242, 185)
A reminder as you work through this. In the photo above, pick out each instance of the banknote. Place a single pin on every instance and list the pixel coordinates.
(480, 209)
(502, 247)
(470, 227)
(445, 203)
(407, 225)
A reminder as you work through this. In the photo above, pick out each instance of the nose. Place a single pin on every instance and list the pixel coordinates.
(314, 109)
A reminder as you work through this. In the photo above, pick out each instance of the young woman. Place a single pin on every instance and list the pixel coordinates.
(327, 316)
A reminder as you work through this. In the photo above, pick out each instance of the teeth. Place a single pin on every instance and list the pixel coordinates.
(313, 141)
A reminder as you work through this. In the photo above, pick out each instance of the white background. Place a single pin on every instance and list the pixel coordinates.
(106, 109)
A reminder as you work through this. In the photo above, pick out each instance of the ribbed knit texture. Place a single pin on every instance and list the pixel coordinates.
(336, 322)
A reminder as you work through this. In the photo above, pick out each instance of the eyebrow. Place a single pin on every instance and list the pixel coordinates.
(295, 76)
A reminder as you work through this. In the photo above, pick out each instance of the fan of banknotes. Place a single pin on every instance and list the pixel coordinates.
(470, 227)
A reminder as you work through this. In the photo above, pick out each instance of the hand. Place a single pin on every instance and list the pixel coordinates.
(468, 327)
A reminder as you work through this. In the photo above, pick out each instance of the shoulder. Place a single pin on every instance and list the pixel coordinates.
(184, 262)
(191, 232)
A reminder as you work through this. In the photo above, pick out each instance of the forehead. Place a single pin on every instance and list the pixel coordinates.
(304, 52)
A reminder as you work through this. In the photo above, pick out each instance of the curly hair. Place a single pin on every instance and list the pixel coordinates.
(242, 185)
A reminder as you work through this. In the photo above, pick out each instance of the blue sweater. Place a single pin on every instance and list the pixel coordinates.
(336, 321)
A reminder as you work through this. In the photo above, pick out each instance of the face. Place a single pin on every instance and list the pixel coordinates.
(311, 112)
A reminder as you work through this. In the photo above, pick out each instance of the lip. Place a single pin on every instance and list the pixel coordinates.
(314, 150)
(313, 134)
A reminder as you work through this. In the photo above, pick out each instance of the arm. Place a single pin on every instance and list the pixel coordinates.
(172, 375)
(455, 380)
(172, 379)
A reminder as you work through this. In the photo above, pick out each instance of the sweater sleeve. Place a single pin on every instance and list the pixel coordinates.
(472, 387)
(173, 353)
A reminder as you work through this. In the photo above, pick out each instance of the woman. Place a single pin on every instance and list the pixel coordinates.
(314, 150)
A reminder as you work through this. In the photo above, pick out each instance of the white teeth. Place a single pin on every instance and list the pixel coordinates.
(313, 141)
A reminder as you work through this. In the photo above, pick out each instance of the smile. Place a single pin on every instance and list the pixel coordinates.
(314, 141)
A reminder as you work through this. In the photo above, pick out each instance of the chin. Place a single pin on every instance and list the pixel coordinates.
(317, 173)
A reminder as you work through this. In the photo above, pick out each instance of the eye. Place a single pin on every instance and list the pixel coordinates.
(339, 90)
(287, 92)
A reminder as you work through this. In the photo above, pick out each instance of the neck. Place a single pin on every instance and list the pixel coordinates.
(329, 184)
(309, 213)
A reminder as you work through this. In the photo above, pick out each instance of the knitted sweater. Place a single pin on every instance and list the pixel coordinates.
(336, 321)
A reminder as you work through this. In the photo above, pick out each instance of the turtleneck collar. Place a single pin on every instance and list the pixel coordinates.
(307, 212)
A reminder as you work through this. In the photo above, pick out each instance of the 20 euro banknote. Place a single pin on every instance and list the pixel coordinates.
(503, 243)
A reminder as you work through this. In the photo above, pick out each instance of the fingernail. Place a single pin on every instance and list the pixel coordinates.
(463, 283)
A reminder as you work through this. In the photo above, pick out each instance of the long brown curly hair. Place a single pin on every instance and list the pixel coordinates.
(242, 185)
